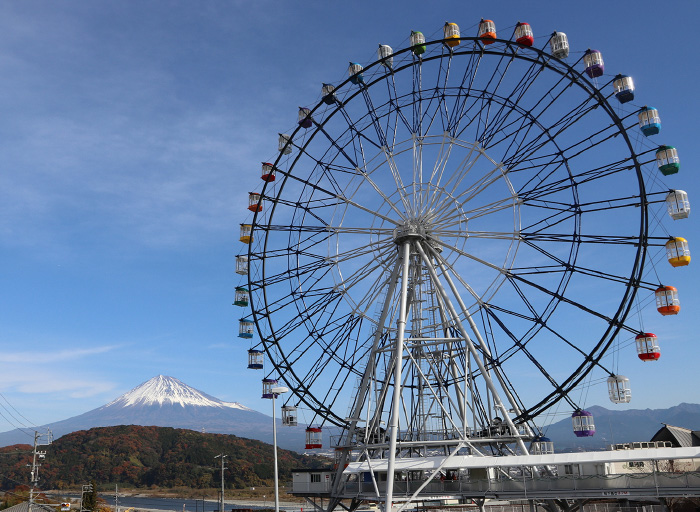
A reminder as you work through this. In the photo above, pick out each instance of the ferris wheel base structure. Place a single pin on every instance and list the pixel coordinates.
(564, 476)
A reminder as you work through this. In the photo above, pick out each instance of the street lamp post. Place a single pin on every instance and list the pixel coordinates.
(276, 391)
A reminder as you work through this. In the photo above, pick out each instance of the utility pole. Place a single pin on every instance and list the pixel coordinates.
(221, 497)
(116, 497)
(86, 489)
(34, 473)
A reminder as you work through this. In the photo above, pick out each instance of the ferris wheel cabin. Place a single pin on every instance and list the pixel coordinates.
(254, 204)
(241, 264)
(314, 438)
(593, 60)
(619, 389)
(283, 144)
(451, 33)
(246, 327)
(677, 204)
(582, 421)
(647, 346)
(241, 297)
(667, 301)
(524, 35)
(246, 233)
(541, 445)
(487, 31)
(624, 88)
(267, 385)
(328, 94)
(256, 359)
(667, 160)
(355, 72)
(268, 172)
(649, 121)
(417, 42)
(678, 252)
(559, 45)
(384, 53)
(305, 120)
(289, 416)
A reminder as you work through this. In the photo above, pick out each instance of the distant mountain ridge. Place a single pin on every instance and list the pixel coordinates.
(168, 402)
(624, 426)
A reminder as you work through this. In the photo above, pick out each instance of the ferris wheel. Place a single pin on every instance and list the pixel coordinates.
(451, 239)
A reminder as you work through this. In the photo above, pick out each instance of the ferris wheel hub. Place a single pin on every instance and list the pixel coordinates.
(413, 229)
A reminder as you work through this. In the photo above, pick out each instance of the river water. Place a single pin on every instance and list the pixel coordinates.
(137, 504)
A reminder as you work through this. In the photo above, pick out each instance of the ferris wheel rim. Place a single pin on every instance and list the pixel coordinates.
(637, 268)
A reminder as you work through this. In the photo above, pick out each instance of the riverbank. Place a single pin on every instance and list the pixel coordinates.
(149, 502)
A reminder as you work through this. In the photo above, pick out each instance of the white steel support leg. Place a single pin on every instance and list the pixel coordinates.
(366, 378)
(484, 346)
(468, 341)
(398, 364)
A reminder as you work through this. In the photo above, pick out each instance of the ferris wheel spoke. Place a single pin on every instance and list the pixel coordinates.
(485, 116)
(314, 372)
(494, 313)
(430, 107)
(442, 157)
(585, 207)
(442, 84)
(552, 221)
(464, 92)
(379, 130)
(325, 298)
(579, 238)
(569, 120)
(368, 249)
(359, 276)
(611, 277)
(356, 134)
(283, 276)
(562, 298)
(462, 169)
(505, 203)
(545, 188)
(509, 106)
(395, 105)
(521, 277)
(531, 114)
(396, 173)
(479, 186)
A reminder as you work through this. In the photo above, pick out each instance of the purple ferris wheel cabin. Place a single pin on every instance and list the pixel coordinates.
(583, 423)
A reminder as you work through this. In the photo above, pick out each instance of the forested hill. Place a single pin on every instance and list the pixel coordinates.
(150, 456)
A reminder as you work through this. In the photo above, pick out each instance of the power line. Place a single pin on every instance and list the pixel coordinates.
(30, 423)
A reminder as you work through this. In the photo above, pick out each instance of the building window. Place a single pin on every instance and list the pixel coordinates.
(315, 478)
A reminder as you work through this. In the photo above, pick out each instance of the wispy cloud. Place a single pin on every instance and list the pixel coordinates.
(60, 356)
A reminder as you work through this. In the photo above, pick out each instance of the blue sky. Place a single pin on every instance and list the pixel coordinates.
(131, 132)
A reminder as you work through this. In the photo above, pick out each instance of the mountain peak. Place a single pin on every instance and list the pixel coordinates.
(164, 390)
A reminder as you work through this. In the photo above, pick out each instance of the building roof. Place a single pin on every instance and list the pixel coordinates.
(20, 507)
(24, 507)
(678, 436)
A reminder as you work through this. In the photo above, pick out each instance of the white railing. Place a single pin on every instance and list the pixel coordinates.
(596, 485)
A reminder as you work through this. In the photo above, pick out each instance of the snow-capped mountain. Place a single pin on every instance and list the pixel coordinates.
(168, 402)
(162, 390)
